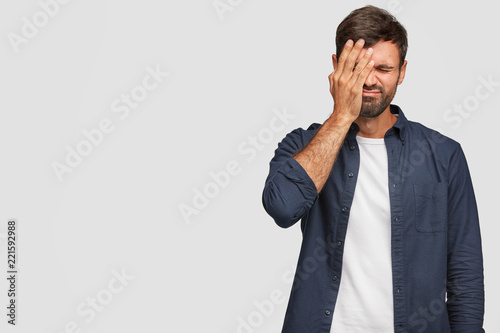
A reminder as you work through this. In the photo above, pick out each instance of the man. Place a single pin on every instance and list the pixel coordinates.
(391, 239)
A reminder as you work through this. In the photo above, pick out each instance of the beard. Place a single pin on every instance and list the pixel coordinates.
(372, 107)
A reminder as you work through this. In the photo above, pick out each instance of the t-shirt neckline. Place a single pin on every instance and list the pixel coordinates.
(370, 141)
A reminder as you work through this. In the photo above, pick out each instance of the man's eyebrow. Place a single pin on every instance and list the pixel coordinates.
(385, 66)
(381, 66)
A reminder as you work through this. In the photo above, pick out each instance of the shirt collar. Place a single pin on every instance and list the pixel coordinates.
(401, 124)
(399, 127)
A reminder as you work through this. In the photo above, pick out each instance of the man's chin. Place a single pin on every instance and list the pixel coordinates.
(370, 99)
(371, 111)
(369, 115)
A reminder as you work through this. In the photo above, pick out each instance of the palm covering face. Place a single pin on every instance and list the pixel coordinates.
(348, 78)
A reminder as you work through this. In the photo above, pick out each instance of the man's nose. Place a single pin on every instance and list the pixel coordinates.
(371, 79)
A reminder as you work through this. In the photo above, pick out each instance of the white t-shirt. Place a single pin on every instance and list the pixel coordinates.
(365, 299)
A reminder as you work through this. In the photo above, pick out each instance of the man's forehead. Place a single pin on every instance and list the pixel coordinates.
(386, 53)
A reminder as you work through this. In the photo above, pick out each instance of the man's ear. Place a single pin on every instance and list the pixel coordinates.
(402, 73)
(334, 61)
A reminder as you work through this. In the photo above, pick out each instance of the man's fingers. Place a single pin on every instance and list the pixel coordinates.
(343, 56)
(352, 57)
(348, 73)
(364, 73)
(362, 63)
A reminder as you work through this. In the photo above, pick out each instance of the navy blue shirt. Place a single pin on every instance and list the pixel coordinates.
(437, 265)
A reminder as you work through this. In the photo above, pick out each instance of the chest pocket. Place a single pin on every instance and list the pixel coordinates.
(431, 203)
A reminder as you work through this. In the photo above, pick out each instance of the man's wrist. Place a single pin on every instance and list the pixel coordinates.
(341, 119)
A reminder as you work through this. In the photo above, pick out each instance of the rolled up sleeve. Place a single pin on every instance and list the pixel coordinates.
(289, 192)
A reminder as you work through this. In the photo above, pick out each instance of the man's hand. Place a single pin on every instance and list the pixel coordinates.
(346, 82)
(346, 86)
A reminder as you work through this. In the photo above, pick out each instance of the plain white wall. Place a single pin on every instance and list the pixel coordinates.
(223, 77)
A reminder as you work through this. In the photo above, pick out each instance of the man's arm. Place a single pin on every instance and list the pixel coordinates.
(346, 86)
(295, 179)
(465, 286)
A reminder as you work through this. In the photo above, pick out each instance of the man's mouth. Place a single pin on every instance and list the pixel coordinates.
(370, 92)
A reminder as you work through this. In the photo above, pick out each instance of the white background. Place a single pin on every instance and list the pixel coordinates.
(119, 209)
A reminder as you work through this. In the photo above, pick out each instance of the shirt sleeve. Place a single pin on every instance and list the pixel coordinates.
(289, 192)
(465, 282)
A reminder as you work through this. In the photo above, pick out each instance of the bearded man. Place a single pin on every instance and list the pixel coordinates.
(390, 231)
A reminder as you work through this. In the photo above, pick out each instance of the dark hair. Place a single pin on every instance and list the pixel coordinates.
(373, 24)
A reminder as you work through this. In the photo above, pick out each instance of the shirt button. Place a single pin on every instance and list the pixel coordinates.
(339, 243)
(393, 185)
(335, 278)
(351, 175)
(396, 219)
(352, 147)
(327, 312)
(344, 209)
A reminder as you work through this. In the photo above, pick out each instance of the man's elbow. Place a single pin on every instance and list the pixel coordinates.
(281, 217)
(282, 211)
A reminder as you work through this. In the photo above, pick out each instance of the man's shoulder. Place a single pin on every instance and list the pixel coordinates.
(419, 132)
(311, 129)
(314, 127)
(301, 135)
(440, 143)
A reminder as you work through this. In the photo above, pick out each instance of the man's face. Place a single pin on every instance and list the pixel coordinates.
(381, 84)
